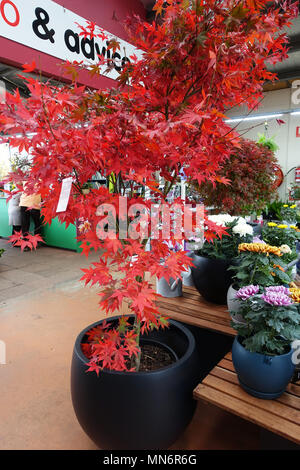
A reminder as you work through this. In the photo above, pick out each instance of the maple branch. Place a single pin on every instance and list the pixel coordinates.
(46, 114)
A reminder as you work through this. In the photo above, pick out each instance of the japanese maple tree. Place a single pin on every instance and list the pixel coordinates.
(250, 170)
(166, 115)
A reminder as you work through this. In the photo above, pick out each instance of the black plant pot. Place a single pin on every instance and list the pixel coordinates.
(137, 410)
(212, 278)
(257, 228)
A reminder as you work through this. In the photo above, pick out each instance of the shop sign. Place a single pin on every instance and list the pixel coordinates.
(50, 28)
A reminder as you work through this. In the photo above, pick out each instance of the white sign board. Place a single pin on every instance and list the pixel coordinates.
(65, 192)
(50, 28)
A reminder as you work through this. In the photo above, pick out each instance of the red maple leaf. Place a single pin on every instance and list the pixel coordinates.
(29, 67)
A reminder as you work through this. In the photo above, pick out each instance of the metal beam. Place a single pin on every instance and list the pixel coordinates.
(148, 4)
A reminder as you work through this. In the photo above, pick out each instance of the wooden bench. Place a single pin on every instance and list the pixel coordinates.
(280, 416)
(191, 308)
(221, 387)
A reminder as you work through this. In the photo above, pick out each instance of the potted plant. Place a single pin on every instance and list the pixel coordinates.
(256, 264)
(272, 211)
(165, 115)
(289, 214)
(211, 262)
(251, 186)
(282, 234)
(286, 237)
(262, 352)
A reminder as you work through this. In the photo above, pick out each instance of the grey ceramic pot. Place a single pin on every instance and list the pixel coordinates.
(173, 288)
(233, 305)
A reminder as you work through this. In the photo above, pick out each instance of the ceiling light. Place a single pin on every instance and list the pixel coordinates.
(254, 118)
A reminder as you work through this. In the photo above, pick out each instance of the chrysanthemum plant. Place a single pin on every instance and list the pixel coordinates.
(289, 213)
(283, 236)
(167, 113)
(226, 248)
(272, 319)
(260, 264)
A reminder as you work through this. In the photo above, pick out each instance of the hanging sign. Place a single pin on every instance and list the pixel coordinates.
(65, 192)
(50, 28)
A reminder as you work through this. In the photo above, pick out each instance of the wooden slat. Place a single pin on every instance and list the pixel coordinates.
(193, 313)
(201, 323)
(294, 389)
(191, 308)
(281, 416)
(226, 364)
(272, 406)
(196, 310)
(249, 412)
(287, 398)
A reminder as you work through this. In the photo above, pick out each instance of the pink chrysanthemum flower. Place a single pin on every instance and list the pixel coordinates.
(277, 298)
(278, 289)
(245, 292)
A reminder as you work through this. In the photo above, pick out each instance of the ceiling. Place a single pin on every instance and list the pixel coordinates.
(10, 76)
(290, 68)
(287, 70)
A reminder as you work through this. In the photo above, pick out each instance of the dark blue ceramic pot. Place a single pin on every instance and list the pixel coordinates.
(262, 376)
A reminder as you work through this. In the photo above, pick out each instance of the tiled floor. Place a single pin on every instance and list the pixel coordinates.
(43, 307)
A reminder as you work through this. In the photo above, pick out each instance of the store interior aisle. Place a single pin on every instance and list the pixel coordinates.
(43, 307)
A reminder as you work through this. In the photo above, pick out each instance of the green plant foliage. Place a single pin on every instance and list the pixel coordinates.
(289, 213)
(272, 210)
(264, 269)
(269, 329)
(268, 142)
(283, 236)
(225, 248)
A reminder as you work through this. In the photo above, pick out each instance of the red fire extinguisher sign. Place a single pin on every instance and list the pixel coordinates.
(298, 131)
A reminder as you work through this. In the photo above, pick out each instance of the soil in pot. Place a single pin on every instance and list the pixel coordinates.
(154, 356)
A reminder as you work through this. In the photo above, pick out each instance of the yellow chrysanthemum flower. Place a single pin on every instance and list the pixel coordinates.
(282, 226)
(294, 227)
(272, 224)
(260, 248)
(285, 205)
(295, 294)
(293, 206)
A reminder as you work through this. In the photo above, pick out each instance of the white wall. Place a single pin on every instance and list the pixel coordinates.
(4, 160)
(288, 154)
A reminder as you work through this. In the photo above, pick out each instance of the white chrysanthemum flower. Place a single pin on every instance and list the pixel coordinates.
(285, 249)
(240, 220)
(227, 219)
(221, 219)
(243, 230)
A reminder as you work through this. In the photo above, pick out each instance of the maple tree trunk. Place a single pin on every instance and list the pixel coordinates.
(136, 360)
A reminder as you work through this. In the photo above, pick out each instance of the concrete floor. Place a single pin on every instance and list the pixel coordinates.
(43, 307)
